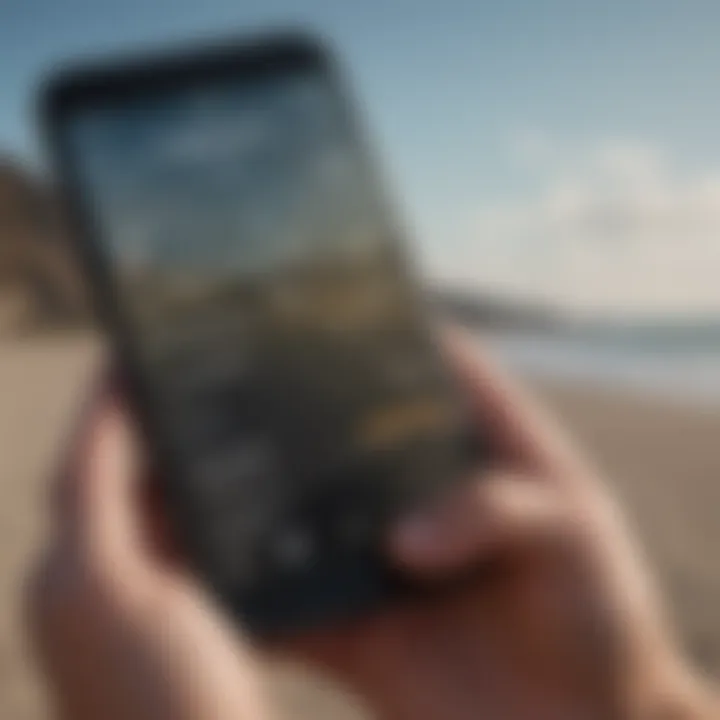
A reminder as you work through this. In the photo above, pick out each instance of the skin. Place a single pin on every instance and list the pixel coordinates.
(560, 619)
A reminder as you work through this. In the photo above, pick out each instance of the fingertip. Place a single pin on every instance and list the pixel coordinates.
(107, 448)
(88, 426)
(111, 439)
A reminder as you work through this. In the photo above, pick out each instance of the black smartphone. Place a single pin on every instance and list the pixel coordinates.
(275, 346)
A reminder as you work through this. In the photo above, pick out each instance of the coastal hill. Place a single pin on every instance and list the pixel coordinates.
(39, 285)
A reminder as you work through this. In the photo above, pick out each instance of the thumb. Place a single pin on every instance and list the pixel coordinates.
(102, 501)
(493, 515)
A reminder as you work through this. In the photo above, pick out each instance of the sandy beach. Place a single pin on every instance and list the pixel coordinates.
(662, 458)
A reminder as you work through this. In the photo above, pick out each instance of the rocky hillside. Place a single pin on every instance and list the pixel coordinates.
(39, 286)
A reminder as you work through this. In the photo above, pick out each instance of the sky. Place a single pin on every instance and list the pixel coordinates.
(566, 151)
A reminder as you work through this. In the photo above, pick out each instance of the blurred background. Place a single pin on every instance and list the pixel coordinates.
(557, 165)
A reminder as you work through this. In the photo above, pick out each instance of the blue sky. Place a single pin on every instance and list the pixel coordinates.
(505, 127)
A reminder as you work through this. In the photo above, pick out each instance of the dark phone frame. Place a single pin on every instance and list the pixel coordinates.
(115, 81)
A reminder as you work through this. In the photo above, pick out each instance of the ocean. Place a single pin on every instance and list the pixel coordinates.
(680, 363)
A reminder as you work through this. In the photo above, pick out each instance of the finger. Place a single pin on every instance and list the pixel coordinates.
(517, 427)
(103, 498)
(65, 480)
(495, 514)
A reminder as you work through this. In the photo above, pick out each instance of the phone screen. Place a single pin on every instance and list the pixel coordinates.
(273, 319)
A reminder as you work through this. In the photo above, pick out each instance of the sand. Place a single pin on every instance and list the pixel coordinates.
(663, 458)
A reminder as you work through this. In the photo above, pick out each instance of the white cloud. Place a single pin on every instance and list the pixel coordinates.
(612, 228)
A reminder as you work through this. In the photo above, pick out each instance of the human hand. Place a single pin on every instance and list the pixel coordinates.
(562, 621)
(122, 629)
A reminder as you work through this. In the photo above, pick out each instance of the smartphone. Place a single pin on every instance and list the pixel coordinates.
(270, 332)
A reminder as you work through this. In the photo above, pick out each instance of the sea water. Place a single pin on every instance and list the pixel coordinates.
(681, 363)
